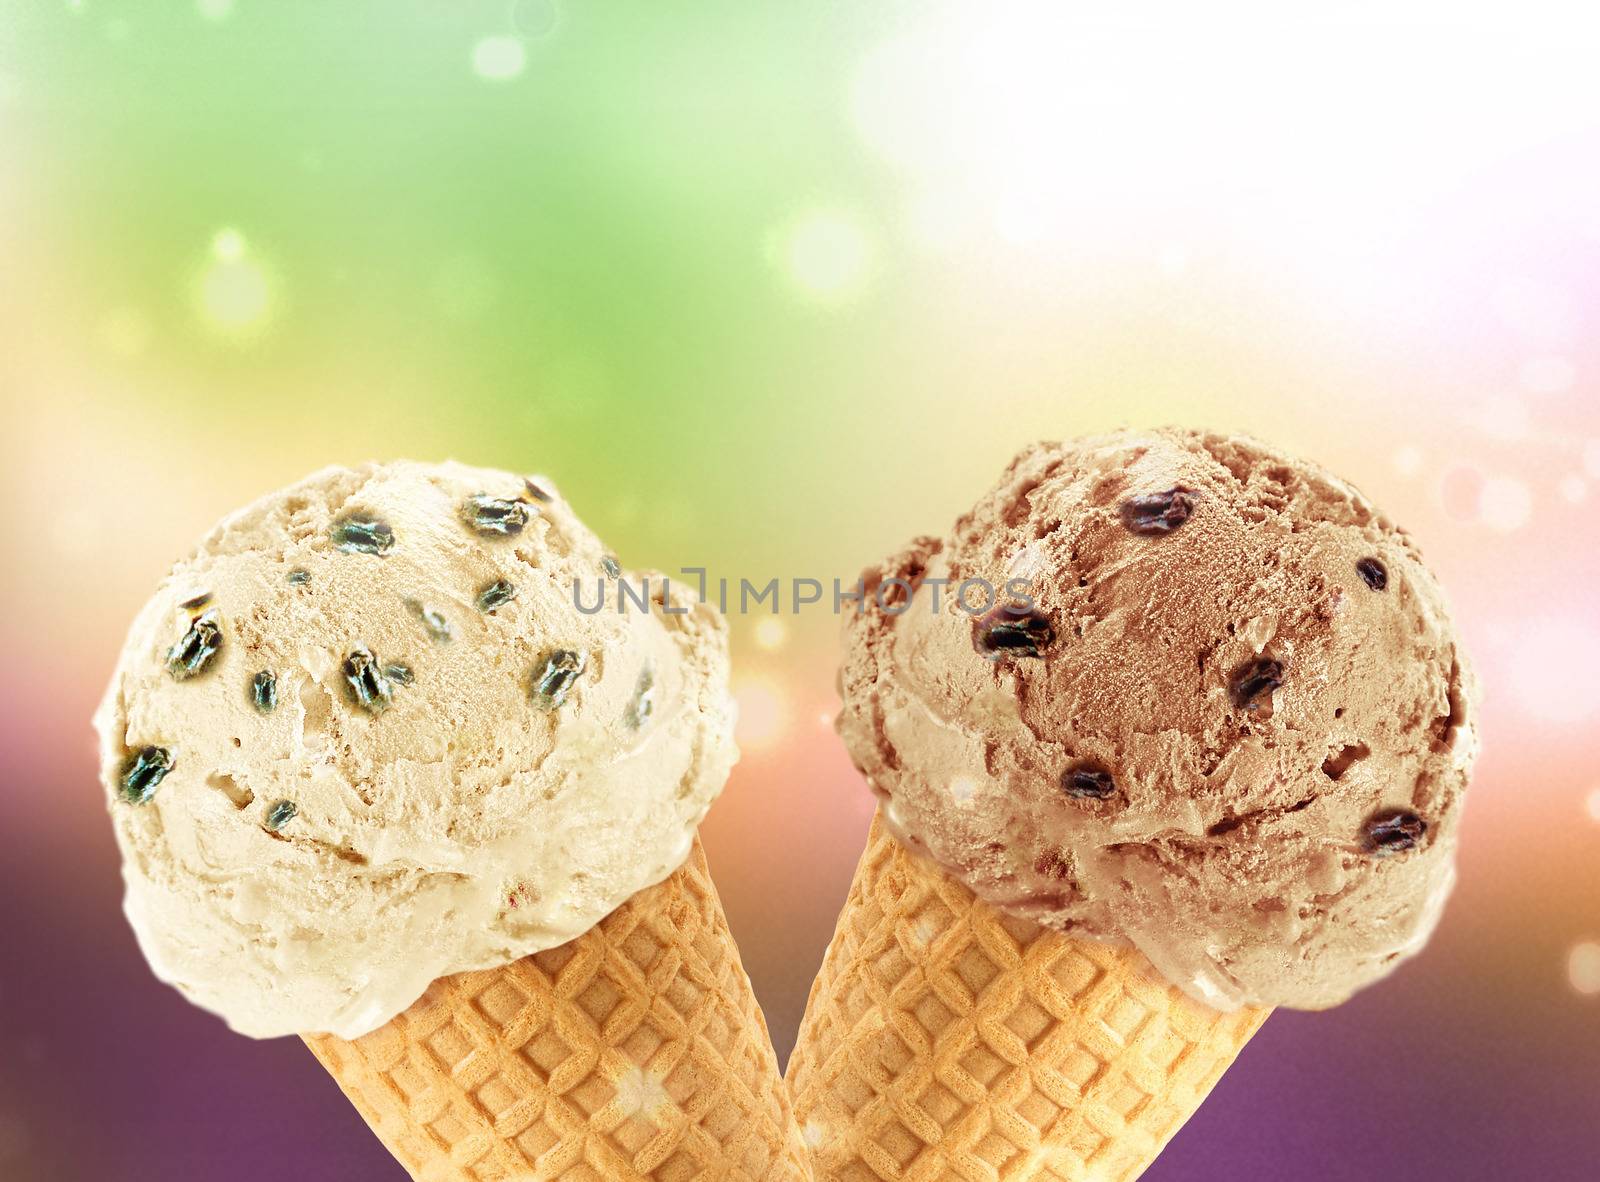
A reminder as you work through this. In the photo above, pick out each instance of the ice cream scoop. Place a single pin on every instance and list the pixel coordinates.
(365, 737)
(1169, 729)
(1214, 707)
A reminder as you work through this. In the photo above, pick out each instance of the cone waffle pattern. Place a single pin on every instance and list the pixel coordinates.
(944, 1041)
(636, 1051)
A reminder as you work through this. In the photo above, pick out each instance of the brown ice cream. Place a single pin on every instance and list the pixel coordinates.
(1232, 728)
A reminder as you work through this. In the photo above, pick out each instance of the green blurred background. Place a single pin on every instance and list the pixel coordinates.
(768, 288)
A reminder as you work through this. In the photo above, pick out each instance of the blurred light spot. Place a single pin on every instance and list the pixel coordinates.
(234, 295)
(1591, 458)
(118, 28)
(214, 10)
(812, 1134)
(465, 288)
(826, 255)
(825, 718)
(1547, 375)
(1583, 968)
(126, 332)
(760, 713)
(499, 58)
(924, 931)
(1503, 418)
(1554, 669)
(228, 245)
(770, 633)
(535, 18)
(1594, 805)
(1505, 504)
(963, 789)
(1460, 488)
(1408, 460)
(1573, 488)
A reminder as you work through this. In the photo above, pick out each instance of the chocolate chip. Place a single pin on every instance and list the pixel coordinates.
(357, 534)
(1392, 831)
(609, 565)
(494, 515)
(1009, 631)
(195, 602)
(644, 699)
(1253, 680)
(399, 674)
(1373, 573)
(554, 676)
(535, 490)
(496, 594)
(264, 691)
(298, 577)
(1088, 783)
(368, 684)
(143, 772)
(1157, 513)
(196, 647)
(433, 620)
(279, 815)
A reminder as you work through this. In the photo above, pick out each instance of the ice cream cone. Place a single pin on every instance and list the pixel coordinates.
(946, 1040)
(635, 1051)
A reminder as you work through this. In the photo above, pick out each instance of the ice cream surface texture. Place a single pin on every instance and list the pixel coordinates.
(364, 737)
(1222, 713)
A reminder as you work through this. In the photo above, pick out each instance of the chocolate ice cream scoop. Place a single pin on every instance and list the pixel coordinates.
(1234, 731)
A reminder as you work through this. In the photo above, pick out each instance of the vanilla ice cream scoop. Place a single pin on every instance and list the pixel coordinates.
(1178, 690)
(379, 729)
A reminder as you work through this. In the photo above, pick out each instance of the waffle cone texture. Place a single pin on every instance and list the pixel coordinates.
(947, 1042)
(635, 1051)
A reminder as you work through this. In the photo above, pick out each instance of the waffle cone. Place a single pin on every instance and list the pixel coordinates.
(636, 1051)
(947, 1042)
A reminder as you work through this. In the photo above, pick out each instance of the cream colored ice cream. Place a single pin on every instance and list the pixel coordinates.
(1232, 728)
(364, 737)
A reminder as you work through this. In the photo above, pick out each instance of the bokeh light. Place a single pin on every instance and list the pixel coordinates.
(1583, 968)
(499, 58)
(826, 255)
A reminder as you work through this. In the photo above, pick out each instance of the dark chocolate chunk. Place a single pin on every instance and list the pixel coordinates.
(1157, 513)
(1088, 783)
(496, 594)
(494, 515)
(196, 647)
(1373, 573)
(1253, 680)
(1009, 632)
(264, 691)
(554, 676)
(280, 814)
(368, 684)
(356, 534)
(1392, 831)
(143, 772)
